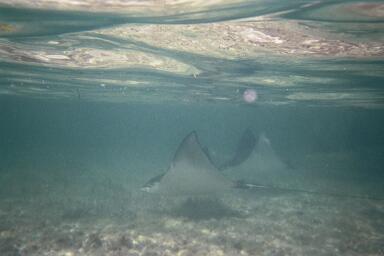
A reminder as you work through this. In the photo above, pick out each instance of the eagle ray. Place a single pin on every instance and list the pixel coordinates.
(191, 172)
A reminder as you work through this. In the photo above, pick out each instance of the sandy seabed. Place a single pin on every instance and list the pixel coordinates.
(240, 223)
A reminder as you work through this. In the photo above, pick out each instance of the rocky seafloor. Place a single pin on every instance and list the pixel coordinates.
(240, 223)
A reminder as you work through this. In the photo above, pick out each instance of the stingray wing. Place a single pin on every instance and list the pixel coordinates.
(245, 147)
(192, 172)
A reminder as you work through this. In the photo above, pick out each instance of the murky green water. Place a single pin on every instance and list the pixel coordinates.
(95, 99)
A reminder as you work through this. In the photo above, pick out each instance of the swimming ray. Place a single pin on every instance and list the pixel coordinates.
(191, 172)
(263, 164)
(244, 149)
(267, 159)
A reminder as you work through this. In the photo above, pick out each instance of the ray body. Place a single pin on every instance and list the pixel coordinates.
(265, 157)
(244, 149)
(190, 173)
(263, 164)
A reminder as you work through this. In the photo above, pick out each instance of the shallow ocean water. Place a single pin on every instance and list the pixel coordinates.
(95, 98)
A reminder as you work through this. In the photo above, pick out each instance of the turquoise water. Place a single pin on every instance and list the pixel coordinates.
(96, 98)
